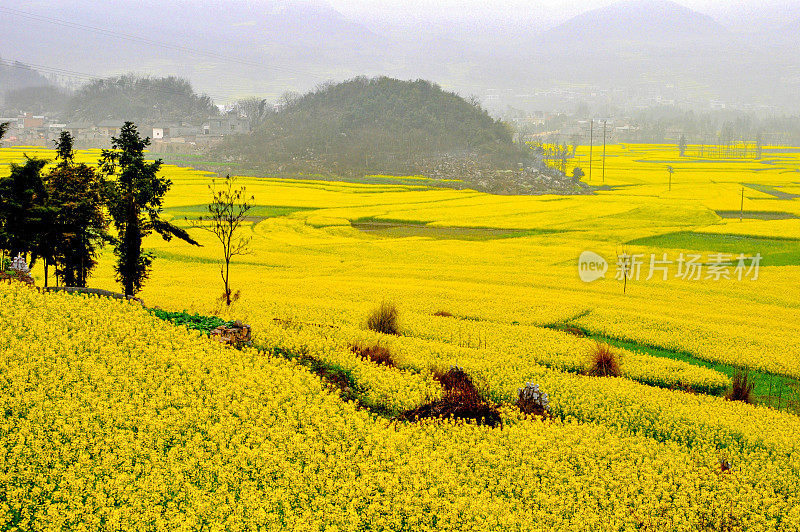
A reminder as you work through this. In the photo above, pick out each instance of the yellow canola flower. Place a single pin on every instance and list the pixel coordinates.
(115, 420)
(559, 350)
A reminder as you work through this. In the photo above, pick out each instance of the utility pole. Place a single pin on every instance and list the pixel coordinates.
(591, 145)
(604, 150)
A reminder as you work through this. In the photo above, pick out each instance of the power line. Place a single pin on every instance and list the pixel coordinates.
(159, 44)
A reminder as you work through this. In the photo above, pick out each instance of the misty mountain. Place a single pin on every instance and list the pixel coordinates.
(627, 54)
(637, 21)
(635, 42)
(262, 47)
(643, 48)
(15, 76)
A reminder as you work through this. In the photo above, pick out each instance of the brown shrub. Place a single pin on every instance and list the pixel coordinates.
(461, 400)
(454, 378)
(384, 319)
(741, 388)
(442, 314)
(603, 362)
(376, 353)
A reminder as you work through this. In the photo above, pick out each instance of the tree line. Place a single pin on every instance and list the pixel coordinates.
(63, 216)
(140, 99)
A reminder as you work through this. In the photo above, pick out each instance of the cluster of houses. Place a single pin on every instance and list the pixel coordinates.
(40, 130)
(557, 128)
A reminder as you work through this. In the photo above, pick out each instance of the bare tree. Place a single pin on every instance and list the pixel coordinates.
(226, 213)
(475, 101)
(288, 99)
(255, 109)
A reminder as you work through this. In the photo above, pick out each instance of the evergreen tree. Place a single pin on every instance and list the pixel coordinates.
(80, 226)
(24, 214)
(135, 201)
(64, 154)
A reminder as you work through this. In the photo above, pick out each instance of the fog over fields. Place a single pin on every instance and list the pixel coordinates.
(532, 55)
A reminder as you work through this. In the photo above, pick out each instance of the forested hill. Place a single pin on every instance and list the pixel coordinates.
(140, 99)
(15, 75)
(377, 125)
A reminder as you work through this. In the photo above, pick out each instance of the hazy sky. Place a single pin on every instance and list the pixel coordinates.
(549, 11)
(539, 12)
(472, 46)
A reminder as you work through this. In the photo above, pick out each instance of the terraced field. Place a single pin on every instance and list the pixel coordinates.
(175, 427)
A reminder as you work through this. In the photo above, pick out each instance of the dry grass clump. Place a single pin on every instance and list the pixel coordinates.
(741, 388)
(461, 400)
(375, 353)
(384, 319)
(603, 362)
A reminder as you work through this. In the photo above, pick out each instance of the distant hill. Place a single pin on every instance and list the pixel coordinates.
(260, 47)
(15, 76)
(36, 100)
(139, 99)
(644, 47)
(378, 125)
(642, 21)
(622, 55)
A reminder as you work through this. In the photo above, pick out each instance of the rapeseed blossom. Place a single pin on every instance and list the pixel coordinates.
(116, 420)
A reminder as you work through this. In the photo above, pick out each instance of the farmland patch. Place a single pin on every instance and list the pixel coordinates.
(774, 251)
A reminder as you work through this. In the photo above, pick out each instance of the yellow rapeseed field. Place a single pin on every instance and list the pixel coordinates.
(116, 420)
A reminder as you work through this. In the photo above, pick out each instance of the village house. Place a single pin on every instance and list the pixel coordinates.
(226, 125)
(82, 132)
(175, 133)
(54, 131)
(110, 128)
(29, 121)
